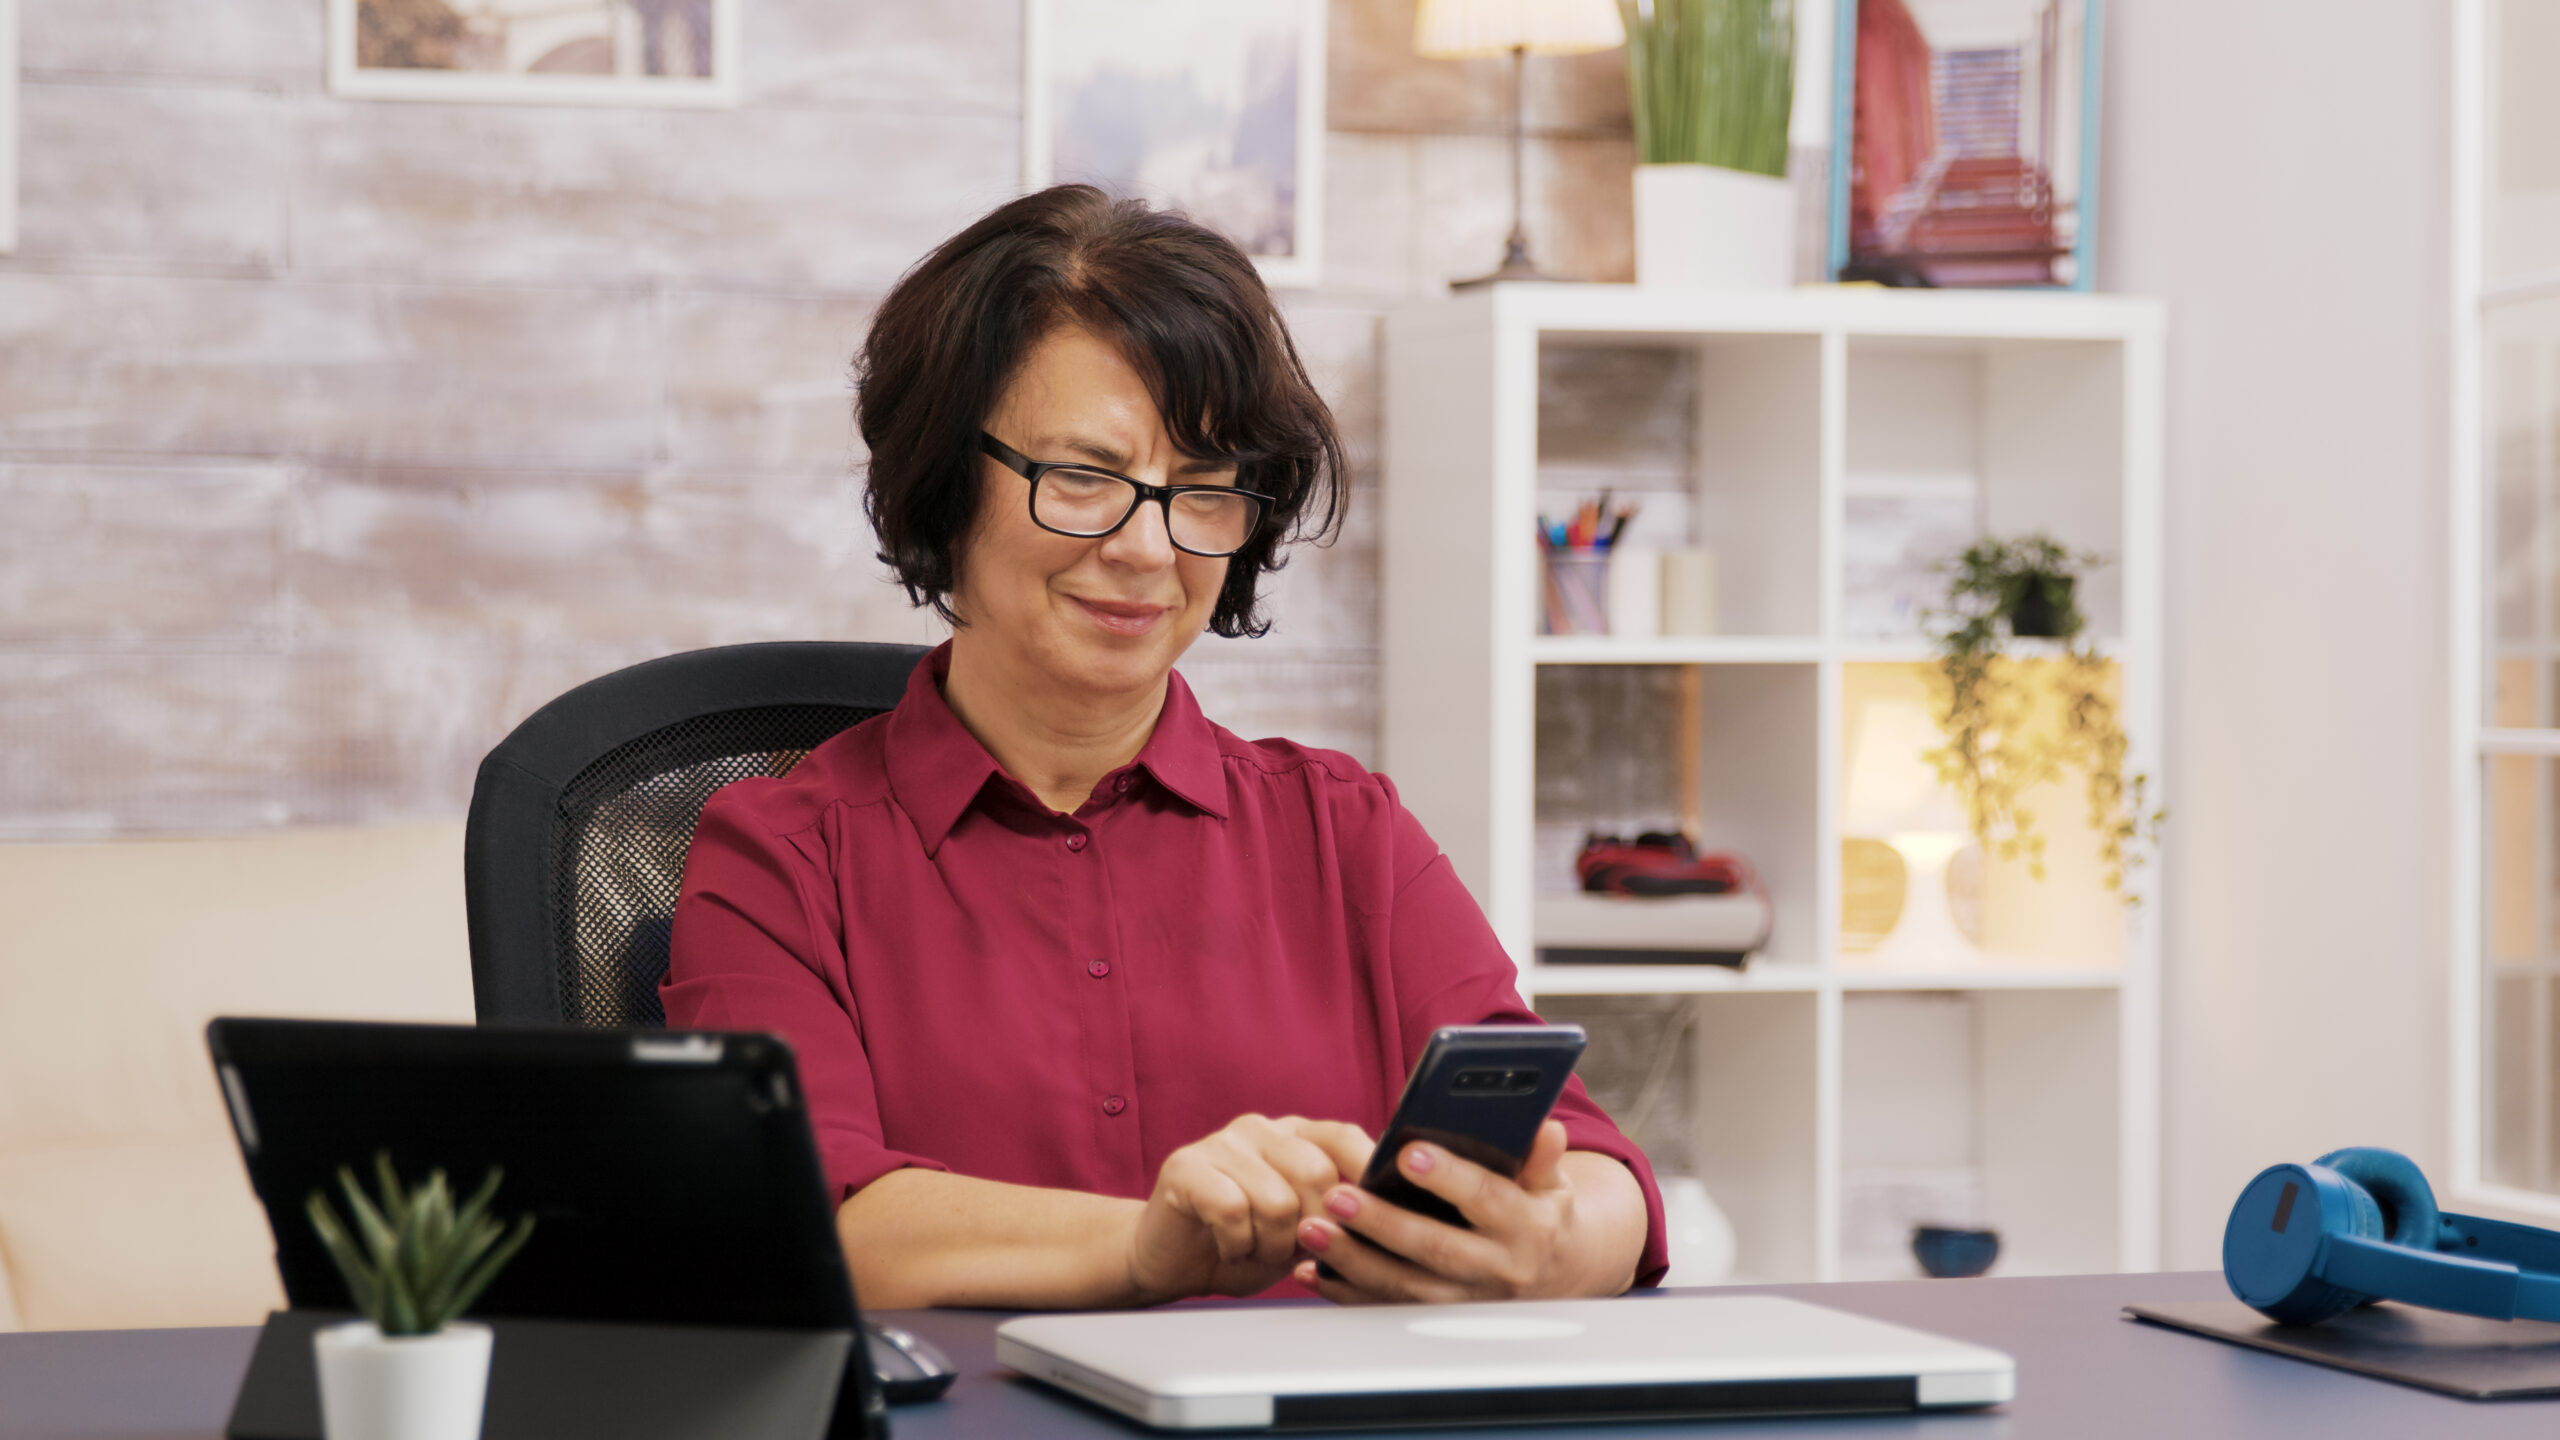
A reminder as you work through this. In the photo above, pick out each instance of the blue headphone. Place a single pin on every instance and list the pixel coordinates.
(2310, 1241)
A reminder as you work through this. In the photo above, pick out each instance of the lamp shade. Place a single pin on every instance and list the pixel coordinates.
(1892, 787)
(1459, 29)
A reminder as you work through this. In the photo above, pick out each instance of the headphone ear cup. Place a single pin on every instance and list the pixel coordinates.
(2278, 1227)
(2364, 1217)
(2392, 1183)
(2319, 1300)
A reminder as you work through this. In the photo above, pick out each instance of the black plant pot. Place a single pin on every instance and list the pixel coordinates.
(2042, 606)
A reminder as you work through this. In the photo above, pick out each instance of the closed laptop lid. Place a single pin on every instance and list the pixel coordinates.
(1651, 1356)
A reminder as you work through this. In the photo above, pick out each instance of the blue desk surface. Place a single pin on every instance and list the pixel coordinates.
(2083, 1371)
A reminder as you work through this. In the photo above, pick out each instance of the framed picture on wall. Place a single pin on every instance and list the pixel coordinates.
(580, 52)
(1216, 110)
(1965, 142)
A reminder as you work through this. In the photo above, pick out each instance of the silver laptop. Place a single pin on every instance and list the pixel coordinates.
(1645, 1357)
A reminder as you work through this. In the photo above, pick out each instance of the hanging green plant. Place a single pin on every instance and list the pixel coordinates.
(1998, 748)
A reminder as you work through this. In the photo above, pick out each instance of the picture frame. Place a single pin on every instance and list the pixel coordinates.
(1978, 164)
(1214, 110)
(537, 52)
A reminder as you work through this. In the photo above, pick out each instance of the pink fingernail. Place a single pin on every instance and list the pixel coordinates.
(1417, 1158)
(1344, 1203)
(1311, 1235)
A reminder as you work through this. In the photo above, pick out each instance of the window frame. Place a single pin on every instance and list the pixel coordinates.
(2474, 740)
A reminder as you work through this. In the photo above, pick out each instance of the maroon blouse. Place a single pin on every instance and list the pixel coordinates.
(976, 983)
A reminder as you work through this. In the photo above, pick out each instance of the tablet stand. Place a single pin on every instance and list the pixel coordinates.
(598, 1380)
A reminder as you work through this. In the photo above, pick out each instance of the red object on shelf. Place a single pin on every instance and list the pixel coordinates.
(1660, 862)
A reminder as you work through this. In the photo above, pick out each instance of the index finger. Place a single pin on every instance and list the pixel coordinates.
(1346, 1145)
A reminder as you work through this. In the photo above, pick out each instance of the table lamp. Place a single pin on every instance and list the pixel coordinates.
(1466, 29)
(1895, 796)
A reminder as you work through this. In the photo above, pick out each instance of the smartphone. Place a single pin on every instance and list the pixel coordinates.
(1481, 1092)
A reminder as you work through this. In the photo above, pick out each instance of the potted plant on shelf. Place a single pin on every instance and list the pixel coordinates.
(1712, 83)
(412, 1262)
(1996, 749)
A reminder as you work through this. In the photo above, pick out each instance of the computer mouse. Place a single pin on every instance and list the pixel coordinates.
(907, 1365)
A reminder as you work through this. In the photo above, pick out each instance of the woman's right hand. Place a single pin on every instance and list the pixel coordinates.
(1224, 1216)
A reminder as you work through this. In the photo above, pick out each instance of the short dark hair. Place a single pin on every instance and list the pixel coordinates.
(1180, 302)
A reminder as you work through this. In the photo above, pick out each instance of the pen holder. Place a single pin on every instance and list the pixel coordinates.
(1577, 592)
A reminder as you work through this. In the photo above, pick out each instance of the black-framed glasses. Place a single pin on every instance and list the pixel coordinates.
(1088, 502)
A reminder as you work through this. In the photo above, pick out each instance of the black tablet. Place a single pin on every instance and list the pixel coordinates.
(672, 1175)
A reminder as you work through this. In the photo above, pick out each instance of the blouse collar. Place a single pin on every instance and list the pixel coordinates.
(938, 769)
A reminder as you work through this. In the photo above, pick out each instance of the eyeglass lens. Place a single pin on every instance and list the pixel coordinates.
(1090, 502)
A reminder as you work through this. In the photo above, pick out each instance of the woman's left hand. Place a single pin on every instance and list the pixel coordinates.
(1525, 1244)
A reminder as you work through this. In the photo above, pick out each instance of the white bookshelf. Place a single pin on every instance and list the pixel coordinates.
(2032, 1075)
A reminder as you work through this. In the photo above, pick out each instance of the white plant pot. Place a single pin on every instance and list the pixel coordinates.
(1701, 1238)
(411, 1387)
(1703, 227)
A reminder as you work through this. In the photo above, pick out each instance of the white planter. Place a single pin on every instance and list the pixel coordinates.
(412, 1387)
(1701, 1238)
(1703, 227)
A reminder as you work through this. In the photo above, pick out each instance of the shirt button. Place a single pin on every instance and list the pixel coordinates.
(1098, 969)
(1121, 784)
(1076, 841)
(1113, 1104)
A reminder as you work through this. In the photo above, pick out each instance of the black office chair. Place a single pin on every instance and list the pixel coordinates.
(580, 819)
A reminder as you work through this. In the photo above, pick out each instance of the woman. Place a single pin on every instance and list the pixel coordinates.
(1053, 949)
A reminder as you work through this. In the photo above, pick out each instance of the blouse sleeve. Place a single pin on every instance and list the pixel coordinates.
(758, 944)
(1450, 970)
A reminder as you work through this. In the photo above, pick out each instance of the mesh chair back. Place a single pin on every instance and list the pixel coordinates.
(581, 818)
(619, 844)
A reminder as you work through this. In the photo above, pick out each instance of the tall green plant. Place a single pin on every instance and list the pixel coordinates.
(420, 1262)
(1712, 81)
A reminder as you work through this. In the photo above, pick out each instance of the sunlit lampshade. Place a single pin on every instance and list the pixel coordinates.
(1892, 790)
(1458, 29)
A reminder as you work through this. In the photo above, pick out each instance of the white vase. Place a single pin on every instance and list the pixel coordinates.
(1701, 1238)
(1703, 227)
(407, 1387)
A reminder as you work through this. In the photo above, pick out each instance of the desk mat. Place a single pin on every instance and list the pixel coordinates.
(2455, 1354)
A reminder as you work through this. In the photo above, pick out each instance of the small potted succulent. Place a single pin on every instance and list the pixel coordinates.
(1995, 752)
(413, 1262)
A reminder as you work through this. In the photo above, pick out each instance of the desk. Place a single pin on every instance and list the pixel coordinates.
(2083, 1372)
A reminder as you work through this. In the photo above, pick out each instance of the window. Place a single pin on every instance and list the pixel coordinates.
(2506, 563)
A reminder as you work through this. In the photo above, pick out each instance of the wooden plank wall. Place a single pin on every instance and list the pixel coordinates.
(335, 437)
